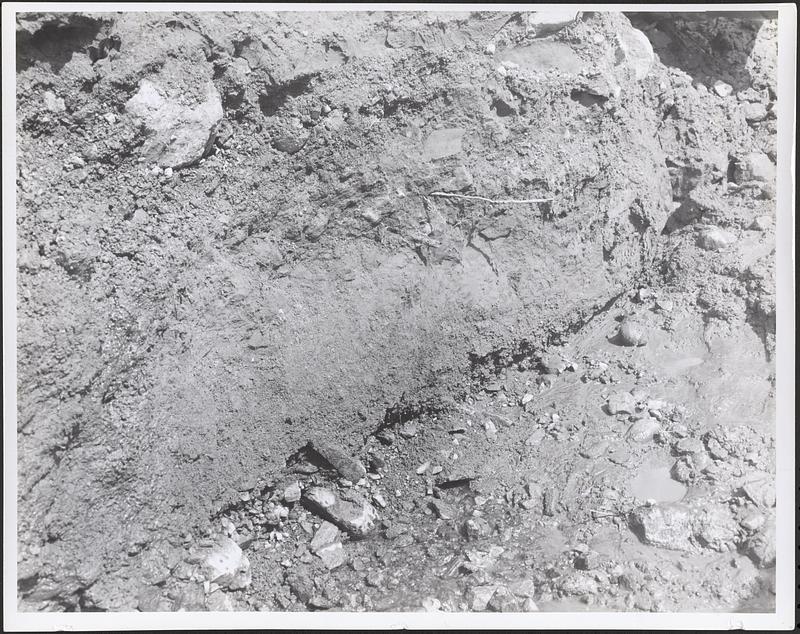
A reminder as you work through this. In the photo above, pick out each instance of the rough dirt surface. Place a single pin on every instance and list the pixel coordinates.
(265, 364)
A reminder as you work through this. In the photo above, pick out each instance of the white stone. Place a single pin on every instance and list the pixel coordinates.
(165, 117)
(226, 565)
(723, 89)
(549, 22)
(636, 51)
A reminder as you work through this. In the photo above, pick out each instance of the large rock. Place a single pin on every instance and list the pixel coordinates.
(178, 134)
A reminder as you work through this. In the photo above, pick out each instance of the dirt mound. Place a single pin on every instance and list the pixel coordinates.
(239, 233)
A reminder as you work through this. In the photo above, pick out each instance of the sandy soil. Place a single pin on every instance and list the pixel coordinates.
(254, 295)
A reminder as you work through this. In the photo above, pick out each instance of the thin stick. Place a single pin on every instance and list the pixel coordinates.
(489, 200)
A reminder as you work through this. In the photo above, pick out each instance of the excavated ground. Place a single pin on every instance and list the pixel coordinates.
(288, 340)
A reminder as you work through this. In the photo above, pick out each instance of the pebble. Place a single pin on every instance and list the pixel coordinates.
(761, 223)
(526, 399)
(423, 467)
(490, 48)
(491, 430)
(431, 604)
(723, 89)
(529, 605)
(632, 333)
(379, 500)
(386, 436)
(715, 239)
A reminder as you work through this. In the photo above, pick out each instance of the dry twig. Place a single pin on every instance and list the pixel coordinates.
(491, 200)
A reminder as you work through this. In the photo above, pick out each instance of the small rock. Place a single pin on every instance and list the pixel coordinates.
(356, 516)
(326, 535)
(476, 527)
(752, 520)
(632, 333)
(723, 89)
(529, 605)
(385, 436)
(479, 597)
(761, 546)
(503, 601)
(688, 446)
(374, 579)
(408, 430)
(548, 22)
(350, 468)
(490, 48)
(664, 525)
(644, 429)
(423, 467)
(291, 142)
(379, 500)
(220, 602)
(431, 604)
(178, 134)
(53, 103)
(667, 305)
(150, 599)
(761, 223)
(292, 493)
(332, 555)
(535, 438)
(754, 112)
(715, 239)
(226, 565)
(527, 398)
(443, 510)
(524, 588)
(594, 450)
(755, 166)
(635, 50)
(578, 584)
(621, 403)
(443, 143)
(491, 430)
